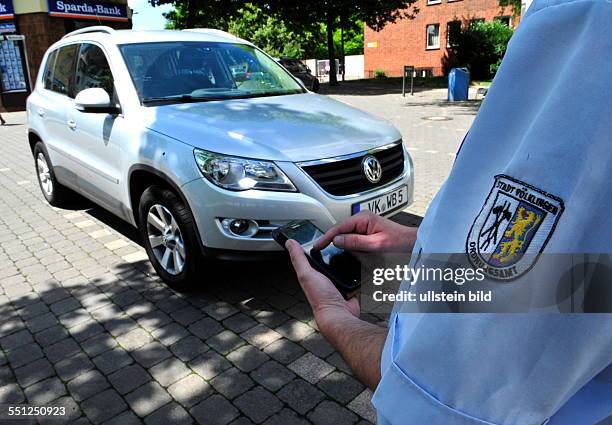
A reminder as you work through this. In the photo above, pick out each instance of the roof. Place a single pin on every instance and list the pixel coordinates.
(151, 36)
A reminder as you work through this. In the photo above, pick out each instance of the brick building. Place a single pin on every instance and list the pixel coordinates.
(422, 42)
(29, 27)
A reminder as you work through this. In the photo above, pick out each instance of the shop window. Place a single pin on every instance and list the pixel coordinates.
(433, 36)
(93, 70)
(64, 69)
(430, 2)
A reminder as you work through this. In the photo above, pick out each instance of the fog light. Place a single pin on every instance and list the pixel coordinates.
(240, 227)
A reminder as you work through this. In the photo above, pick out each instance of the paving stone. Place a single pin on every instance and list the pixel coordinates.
(341, 386)
(44, 392)
(86, 330)
(209, 365)
(243, 420)
(39, 323)
(188, 348)
(187, 315)
(272, 375)
(232, 383)
(190, 390)
(225, 341)
(300, 395)
(258, 404)
(16, 340)
(331, 413)
(98, 344)
(170, 333)
(11, 394)
(64, 306)
(284, 351)
(294, 330)
(362, 405)
(119, 325)
(147, 399)
(205, 328)
(169, 371)
(286, 416)
(112, 360)
(215, 410)
(103, 406)
(71, 408)
(271, 318)
(220, 310)
(337, 360)
(34, 372)
(239, 322)
(74, 366)
(151, 354)
(311, 368)
(129, 378)
(134, 339)
(247, 358)
(316, 344)
(171, 413)
(60, 350)
(260, 336)
(24, 355)
(87, 384)
(125, 418)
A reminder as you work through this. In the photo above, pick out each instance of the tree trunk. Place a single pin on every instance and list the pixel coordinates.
(333, 80)
(192, 11)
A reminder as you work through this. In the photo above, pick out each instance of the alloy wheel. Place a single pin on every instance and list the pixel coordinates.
(166, 239)
(44, 174)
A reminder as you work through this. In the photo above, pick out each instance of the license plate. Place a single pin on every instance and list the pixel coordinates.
(385, 203)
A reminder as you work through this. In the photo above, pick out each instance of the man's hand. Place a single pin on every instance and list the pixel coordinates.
(360, 343)
(368, 232)
(328, 305)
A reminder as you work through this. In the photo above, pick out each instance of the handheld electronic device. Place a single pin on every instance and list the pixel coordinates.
(341, 267)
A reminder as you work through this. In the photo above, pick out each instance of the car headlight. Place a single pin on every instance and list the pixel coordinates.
(233, 173)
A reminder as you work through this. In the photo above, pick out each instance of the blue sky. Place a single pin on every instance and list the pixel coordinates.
(147, 17)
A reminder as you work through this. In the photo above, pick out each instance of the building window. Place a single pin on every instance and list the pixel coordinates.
(476, 21)
(453, 30)
(430, 2)
(433, 36)
(506, 20)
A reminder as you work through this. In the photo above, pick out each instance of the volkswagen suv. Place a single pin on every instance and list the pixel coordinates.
(204, 143)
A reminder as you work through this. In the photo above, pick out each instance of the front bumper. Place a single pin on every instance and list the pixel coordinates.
(210, 204)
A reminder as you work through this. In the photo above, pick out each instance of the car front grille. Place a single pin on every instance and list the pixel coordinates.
(346, 176)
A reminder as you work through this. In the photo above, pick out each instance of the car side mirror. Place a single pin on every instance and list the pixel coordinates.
(95, 101)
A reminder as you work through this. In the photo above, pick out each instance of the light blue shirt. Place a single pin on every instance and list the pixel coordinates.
(545, 126)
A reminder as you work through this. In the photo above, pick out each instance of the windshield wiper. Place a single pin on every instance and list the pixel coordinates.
(184, 98)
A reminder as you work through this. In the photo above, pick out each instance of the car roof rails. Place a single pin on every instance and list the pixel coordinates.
(98, 28)
(213, 31)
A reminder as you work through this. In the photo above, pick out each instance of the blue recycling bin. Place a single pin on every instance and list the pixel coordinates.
(458, 84)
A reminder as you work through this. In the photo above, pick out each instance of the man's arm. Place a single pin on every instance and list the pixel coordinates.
(360, 343)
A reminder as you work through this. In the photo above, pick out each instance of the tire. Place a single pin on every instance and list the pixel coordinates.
(54, 192)
(169, 233)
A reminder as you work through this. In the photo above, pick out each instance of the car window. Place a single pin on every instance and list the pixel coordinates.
(48, 75)
(92, 70)
(64, 69)
(204, 71)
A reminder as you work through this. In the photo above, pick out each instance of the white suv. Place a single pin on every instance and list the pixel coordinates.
(203, 142)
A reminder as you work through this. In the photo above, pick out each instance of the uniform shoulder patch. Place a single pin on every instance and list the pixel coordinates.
(512, 228)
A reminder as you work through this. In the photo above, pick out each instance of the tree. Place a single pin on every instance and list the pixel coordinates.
(480, 47)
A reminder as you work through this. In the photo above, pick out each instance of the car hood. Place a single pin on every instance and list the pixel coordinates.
(293, 128)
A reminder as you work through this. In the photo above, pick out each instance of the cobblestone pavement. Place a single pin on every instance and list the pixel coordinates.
(87, 325)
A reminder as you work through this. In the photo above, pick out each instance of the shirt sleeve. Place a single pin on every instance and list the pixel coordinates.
(495, 369)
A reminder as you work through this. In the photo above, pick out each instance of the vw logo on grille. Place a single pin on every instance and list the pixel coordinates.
(372, 169)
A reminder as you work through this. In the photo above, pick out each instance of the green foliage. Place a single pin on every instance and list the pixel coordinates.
(380, 73)
(480, 47)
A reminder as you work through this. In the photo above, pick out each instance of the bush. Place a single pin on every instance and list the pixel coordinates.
(380, 73)
(481, 48)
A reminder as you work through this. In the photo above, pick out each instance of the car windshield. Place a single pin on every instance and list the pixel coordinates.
(169, 72)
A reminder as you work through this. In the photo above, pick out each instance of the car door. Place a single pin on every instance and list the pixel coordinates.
(97, 134)
(52, 111)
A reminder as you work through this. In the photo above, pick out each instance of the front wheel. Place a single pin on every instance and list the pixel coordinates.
(169, 234)
(54, 192)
